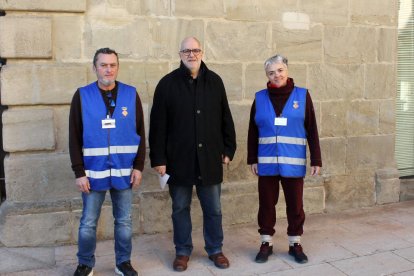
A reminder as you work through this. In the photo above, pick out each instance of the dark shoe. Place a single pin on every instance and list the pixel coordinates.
(83, 270)
(265, 251)
(297, 252)
(220, 260)
(125, 269)
(180, 263)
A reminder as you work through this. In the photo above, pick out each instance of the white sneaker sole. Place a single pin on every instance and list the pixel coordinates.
(118, 272)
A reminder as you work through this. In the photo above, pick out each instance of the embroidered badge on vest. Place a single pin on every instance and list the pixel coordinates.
(124, 111)
(295, 105)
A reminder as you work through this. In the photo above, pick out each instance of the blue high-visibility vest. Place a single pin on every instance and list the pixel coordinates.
(109, 153)
(282, 149)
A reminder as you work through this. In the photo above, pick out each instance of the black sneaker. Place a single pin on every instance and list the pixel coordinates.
(125, 269)
(265, 251)
(83, 270)
(297, 252)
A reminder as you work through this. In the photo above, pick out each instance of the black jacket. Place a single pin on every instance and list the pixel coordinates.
(191, 127)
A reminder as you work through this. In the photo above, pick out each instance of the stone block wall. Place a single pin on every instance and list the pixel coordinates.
(343, 51)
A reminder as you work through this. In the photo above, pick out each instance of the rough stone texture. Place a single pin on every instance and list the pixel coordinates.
(296, 21)
(406, 189)
(380, 88)
(67, 36)
(328, 12)
(298, 45)
(333, 155)
(231, 74)
(25, 37)
(238, 171)
(333, 119)
(387, 52)
(368, 153)
(256, 10)
(144, 76)
(61, 122)
(349, 45)
(331, 81)
(129, 36)
(362, 118)
(224, 41)
(349, 192)
(46, 176)
(387, 185)
(28, 129)
(314, 200)
(43, 5)
(167, 34)
(101, 8)
(370, 12)
(241, 117)
(33, 84)
(35, 229)
(387, 117)
(198, 8)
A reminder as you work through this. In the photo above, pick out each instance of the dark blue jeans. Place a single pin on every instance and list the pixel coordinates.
(209, 196)
(121, 210)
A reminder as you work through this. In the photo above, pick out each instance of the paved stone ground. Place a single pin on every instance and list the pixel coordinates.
(371, 241)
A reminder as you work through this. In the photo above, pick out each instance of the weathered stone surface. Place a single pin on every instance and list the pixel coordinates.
(144, 76)
(387, 185)
(257, 10)
(371, 12)
(298, 45)
(299, 74)
(198, 8)
(238, 171)
(129, 36)
(225, 41)
(156, 211)
(314, 200)
(368, 153)
(167, 35)
(362, 118)
(255, 78)
(349, 192)
(61, 120)
(39, 177)
(331, 81)
(231, 74)
(35, 229)
(328, 12)
(387, 117)
(43, 5)
(67, 36)
(349, 44)
(380, 81)
(296, 21)
(333, 117)
(25, 37)
(333, 155)
(27, 129)
(387, 52)
(406, 189)
(241, 117)
(40, 83)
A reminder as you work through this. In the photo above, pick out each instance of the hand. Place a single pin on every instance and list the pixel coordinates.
(161, 169)
(225, 159)
(315, 170)
(136, 177)
(253, 167)
(83, 184)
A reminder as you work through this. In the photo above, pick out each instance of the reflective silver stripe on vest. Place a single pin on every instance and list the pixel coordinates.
(282, 139)
(267, 160)
(292, 161)
(112, 149)
(282, 160)
(108, 173)
(291, 140)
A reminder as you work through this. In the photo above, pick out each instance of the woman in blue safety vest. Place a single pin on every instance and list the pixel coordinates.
(282, 123)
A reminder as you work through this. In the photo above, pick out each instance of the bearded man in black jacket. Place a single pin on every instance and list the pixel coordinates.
(191, 136)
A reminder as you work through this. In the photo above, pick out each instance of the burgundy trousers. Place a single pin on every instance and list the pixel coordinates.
(268, 198)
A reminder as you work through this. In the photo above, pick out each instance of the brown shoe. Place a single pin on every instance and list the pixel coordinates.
(219, 260)
(180, 263)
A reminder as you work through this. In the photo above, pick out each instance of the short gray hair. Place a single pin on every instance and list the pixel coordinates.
(275, 59)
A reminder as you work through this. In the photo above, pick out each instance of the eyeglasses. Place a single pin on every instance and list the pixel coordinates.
(110, 99)
(187, 52)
